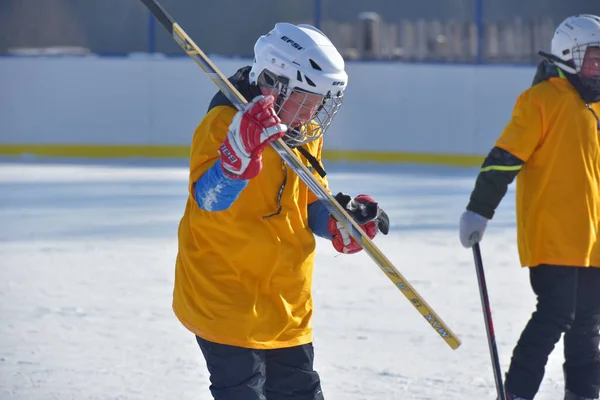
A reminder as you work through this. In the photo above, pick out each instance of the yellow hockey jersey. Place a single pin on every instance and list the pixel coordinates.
(242, 279)
(558, 188)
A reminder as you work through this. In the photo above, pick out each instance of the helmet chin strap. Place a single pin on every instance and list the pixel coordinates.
(288, 138)
(282, 89)
(283, 86)
(280, 99)
(558, 62)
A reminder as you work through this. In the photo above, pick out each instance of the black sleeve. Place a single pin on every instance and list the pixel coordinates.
(497, 172)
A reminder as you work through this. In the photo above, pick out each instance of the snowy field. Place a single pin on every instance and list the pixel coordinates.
(86, 269)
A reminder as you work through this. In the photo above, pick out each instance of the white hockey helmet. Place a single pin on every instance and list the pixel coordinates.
(300, 65)
(572, 39)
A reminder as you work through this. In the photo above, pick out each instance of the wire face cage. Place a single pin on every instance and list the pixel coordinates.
(307, 114)
(588, 57)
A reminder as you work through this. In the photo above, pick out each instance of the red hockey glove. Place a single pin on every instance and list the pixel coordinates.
(366, 213)
(251, 130)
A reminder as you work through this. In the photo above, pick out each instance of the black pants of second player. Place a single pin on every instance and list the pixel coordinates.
(568, 301)
(238, 373)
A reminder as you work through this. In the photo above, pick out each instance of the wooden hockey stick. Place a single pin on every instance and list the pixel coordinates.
(188, 45)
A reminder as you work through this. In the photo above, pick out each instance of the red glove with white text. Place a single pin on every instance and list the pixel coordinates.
(251, 130)
(366, 213)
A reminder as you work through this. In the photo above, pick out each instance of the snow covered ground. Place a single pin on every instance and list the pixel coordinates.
(86, 270)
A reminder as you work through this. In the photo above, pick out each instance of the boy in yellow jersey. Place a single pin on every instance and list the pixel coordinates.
(552, 143)
(244, 267)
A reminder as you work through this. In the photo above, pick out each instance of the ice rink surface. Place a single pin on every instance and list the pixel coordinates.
(86, 269)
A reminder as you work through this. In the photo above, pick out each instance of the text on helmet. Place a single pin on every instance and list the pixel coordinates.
(290, 41)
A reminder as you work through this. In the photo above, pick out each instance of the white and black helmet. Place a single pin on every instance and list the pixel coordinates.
(295, 61)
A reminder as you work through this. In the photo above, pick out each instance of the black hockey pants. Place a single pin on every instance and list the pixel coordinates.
(238, 373)
(568, 301)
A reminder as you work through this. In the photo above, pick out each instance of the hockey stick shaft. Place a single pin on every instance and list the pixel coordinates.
(489, 326)
(233, 95)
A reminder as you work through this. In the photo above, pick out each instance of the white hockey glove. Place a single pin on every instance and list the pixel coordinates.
(472, 227)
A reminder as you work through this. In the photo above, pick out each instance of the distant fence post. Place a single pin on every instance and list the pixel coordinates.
(151, 33)
(480, 30)
(318, 14)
